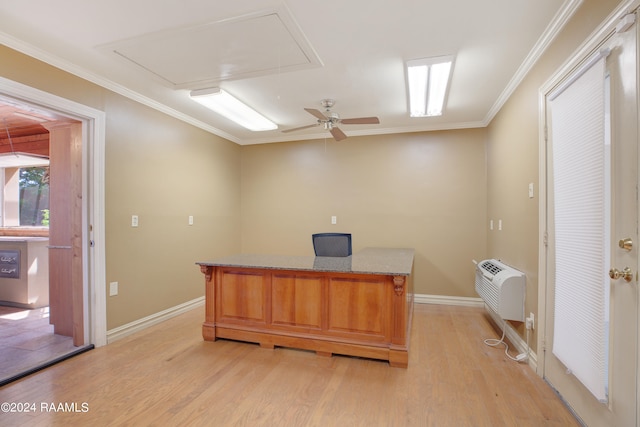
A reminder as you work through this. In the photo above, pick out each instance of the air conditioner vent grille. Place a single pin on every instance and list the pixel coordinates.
(491, 267)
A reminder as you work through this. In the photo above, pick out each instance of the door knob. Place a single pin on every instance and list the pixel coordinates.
(625, 274)
(626, 244)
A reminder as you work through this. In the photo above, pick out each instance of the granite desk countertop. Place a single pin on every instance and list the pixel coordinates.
(388, 261)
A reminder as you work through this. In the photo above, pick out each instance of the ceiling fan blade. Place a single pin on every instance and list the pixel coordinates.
(361, 121)
(338, 135)
(316, 113)
(301, 127)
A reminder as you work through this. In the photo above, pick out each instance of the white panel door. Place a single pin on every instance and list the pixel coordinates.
(619, 407)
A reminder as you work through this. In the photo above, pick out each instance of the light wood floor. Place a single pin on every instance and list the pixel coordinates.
(167, 375)
(27, 340)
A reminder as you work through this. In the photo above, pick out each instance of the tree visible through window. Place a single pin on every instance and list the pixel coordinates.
(34, 196)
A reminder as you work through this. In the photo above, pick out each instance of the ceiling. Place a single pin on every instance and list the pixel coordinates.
(282, 56)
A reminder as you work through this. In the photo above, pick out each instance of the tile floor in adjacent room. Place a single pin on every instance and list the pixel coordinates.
(27, 340)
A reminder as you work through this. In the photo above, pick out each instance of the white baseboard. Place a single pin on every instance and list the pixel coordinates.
(140, 324)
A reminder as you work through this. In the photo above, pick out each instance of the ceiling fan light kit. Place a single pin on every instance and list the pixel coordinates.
(329, 120)
(226, 105)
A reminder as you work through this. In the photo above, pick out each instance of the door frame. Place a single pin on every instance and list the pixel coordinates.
(93, 210)
(596, 39)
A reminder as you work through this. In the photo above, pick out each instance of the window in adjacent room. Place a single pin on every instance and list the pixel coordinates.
(34, 196)
(25, 200)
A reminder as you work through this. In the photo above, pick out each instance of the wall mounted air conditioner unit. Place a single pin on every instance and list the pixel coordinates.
(502, 288)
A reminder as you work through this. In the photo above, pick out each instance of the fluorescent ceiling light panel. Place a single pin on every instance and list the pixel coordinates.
(226, 105)
(428, 81)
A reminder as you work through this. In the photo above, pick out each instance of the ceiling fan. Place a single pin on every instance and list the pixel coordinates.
(330, 120)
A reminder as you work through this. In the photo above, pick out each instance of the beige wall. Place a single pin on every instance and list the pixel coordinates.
(163, 170)
(422, 190)
(513, 159)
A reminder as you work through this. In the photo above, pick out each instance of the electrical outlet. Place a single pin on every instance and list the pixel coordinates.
(113, 289)
(530, 321)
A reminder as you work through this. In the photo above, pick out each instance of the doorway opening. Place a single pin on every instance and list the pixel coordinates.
(74, 320)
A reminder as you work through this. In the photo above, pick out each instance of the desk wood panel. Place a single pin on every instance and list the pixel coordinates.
(297, 300)
(359, 306)
(242, 296)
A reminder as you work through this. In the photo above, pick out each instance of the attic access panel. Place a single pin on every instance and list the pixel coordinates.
(198, 56)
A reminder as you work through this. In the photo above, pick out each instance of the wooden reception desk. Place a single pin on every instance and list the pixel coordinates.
(359, 305)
